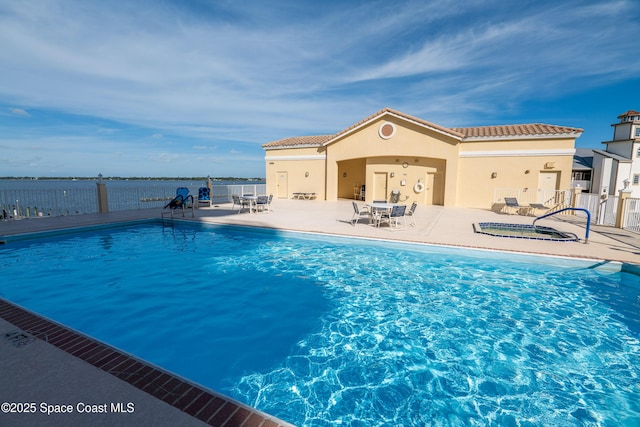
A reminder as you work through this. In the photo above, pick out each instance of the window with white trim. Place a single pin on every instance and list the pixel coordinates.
(638, 131)
(636, 179)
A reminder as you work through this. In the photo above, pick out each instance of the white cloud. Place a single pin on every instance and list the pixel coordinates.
(20, 112)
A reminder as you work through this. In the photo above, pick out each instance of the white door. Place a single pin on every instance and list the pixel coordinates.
(379, 186)
(547, 186)
(282, 185)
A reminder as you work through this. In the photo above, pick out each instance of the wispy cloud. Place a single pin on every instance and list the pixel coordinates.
(186, 75)
(19, 112)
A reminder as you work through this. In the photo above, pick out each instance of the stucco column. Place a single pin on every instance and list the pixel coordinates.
(622, 201)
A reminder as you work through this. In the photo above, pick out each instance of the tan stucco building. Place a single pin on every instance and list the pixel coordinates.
(391, 152)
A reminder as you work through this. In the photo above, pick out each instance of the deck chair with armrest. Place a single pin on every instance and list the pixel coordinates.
(411, 213)
(237, 200)
(394, 216)
(261, 203)
(359, 212)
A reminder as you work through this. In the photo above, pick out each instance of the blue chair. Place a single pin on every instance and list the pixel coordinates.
(204, 195)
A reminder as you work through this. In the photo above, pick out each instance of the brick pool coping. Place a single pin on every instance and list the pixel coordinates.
(205, 405)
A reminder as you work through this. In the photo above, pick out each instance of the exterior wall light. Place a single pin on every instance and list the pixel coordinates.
(306, 174)
(344, 174)
(494, 175)
(392, 174)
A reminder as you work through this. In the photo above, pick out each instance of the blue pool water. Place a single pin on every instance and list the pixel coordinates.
(333, 331)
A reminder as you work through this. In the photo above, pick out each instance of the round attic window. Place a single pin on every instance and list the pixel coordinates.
(387, 130)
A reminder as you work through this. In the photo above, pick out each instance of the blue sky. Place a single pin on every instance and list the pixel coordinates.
(193, 88)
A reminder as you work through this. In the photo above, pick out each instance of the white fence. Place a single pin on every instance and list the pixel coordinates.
(16, 204)
(603, 211)
(632, 215)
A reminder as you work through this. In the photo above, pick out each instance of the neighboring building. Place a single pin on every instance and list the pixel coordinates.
(620, 161)
(391, 152)
(582, 169)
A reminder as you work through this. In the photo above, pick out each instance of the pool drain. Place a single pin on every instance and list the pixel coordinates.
(19, 338)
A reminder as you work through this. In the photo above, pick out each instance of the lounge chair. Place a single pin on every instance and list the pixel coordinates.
(359, 212)
(512, 206)
(411, 213)
(535, 207)
(204, 196)
(393, 217)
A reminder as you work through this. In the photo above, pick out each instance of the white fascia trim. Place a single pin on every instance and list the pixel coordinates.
(308, 157)
(521, 137)
(440, 131)
(519, 153)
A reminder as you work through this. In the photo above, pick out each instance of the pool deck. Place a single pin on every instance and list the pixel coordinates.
(62, 369)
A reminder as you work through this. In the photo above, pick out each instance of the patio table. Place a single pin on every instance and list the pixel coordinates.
(377, 207)
(252, 201)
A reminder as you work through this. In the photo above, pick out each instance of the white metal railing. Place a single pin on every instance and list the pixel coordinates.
(18, 204)
(632, 215)
(54, 202)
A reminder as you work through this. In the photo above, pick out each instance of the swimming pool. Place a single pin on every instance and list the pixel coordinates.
(323, 330)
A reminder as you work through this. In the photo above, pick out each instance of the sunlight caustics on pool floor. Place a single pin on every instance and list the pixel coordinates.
(321, 331)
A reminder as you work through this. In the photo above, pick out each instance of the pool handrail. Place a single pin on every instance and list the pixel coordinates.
(586, 236)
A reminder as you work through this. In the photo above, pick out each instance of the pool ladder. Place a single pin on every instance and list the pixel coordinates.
(586, 236)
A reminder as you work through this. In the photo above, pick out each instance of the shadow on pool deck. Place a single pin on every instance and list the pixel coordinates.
(43, 373)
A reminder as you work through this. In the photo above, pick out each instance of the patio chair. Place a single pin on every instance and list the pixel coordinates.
(267, 207)
(512, 206)
(204, 195)
(411, 213)
(261, 203)
(241, 203)
(393, 218)
(359, 212)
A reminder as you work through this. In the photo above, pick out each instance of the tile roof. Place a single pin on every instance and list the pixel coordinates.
(297, 141)
(537, 129)
(503, 131)
(629, 113)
